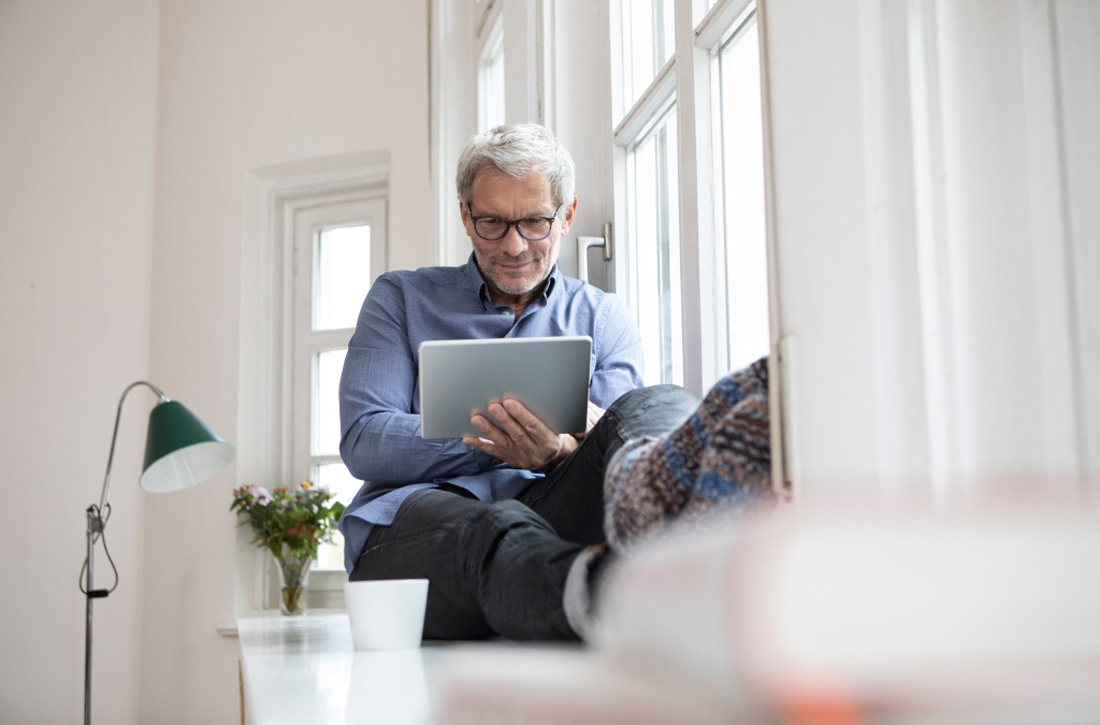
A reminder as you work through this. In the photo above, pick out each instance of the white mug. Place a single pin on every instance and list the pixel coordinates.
(386, 614)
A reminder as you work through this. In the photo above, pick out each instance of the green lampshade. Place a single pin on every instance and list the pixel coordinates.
(180, 451)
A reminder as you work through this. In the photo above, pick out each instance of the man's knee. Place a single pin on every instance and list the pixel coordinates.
(496, 520)
(651, 411)
(665, 396)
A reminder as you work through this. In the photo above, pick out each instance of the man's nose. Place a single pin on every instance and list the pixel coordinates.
(513, 244)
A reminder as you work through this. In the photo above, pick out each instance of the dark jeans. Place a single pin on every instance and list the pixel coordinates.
(500, 568)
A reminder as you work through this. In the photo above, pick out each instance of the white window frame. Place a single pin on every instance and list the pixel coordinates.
(633, 126)
(276, 198)
(686, 79)
(638, 294)
(721, 33)
(491, 98)
(330, 211)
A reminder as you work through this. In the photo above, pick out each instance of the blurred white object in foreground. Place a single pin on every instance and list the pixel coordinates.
(981, 613)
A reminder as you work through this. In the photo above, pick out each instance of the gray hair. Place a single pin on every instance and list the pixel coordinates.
(516, 150)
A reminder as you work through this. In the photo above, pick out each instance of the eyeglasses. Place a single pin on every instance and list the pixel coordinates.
(533, 229)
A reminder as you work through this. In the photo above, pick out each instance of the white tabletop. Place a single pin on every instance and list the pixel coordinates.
(302, 669)
(305, 670)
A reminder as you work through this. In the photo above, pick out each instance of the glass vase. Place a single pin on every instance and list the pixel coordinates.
(293, 580)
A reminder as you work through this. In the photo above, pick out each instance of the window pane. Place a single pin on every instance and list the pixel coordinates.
(336, 478)
(326, 405)
(342, 276)
(743, 198)
(491, 77)
(655, 250)
(648, 43)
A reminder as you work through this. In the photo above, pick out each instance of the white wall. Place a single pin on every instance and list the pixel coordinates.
(77, 121)
(127, 133)
(579, 112)
(818, 166)
(934, 241)
(246, 85)
(453, 118)
(1077, 28)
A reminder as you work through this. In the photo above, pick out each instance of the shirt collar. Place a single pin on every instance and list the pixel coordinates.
(474, 282)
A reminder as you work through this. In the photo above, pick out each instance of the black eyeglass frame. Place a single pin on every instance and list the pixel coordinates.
(509, 223)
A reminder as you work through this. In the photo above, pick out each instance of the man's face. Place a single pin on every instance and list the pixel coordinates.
(513, 265)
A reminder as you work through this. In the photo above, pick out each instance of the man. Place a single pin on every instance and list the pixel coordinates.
(495, 522)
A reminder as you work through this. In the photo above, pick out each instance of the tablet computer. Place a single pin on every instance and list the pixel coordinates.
(549, 375)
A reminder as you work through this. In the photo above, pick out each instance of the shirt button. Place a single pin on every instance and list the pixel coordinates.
(505, 312)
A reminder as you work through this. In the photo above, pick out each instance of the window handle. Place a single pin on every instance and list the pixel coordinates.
(586, 243)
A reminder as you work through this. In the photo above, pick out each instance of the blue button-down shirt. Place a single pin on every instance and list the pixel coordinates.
(380, 393)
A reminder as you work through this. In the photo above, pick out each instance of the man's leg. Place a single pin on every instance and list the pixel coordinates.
(501, 567)
(720, 456)
(494, 568)
(571, 497)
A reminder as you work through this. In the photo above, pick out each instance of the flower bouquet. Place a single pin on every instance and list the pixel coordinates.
(291, 525)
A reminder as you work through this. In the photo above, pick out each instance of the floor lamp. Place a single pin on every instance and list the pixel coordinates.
(180, 452)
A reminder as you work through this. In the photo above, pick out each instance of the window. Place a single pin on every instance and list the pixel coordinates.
(655, 252)
(490, 80)
(741, 213)
(648, 139)
(647, 40)
(339, 248)
(689, 135)
(315, 238)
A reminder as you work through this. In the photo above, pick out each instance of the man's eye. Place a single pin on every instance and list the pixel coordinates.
(535, 221)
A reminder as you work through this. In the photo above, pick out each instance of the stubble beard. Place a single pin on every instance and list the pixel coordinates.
(511, 285)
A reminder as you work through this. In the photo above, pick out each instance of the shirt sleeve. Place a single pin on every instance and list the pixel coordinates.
(380, 434)
(618, 341)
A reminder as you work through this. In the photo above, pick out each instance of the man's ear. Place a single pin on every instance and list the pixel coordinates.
(464, 212)
(570, 216)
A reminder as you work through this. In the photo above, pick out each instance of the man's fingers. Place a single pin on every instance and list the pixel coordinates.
(595, 412)
(517, 436)
(524, 417)
(506, 422)
(489, 433)
(482, 424)
(474, 442)
(530, 423)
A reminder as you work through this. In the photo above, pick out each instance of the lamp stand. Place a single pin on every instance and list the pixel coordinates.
(96, 525)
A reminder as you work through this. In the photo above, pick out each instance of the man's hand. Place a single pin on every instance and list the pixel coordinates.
(595, 412)
(519, 438)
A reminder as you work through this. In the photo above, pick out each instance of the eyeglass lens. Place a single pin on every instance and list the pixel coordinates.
(532, 230)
